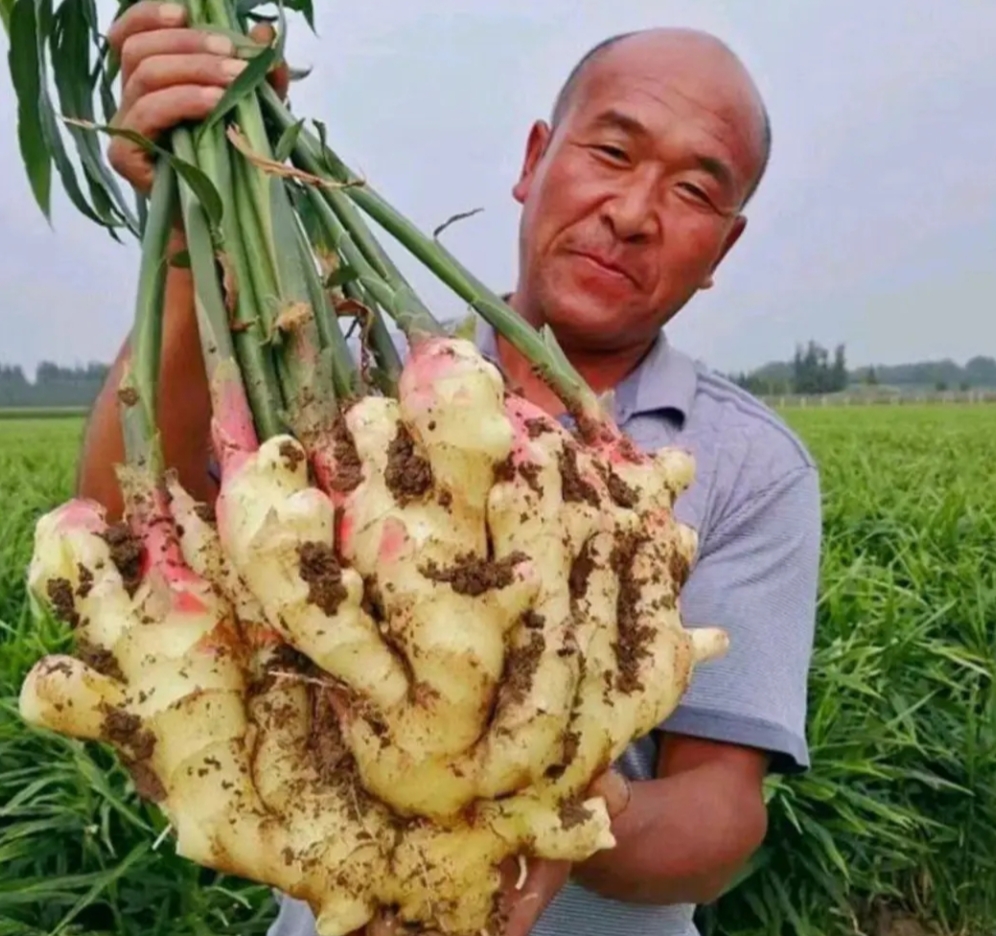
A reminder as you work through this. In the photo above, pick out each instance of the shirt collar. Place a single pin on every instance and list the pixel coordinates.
(664, 381)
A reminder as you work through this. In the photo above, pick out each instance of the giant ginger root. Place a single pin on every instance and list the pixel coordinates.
(370, 696)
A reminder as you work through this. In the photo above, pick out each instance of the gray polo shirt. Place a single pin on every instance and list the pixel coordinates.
(755, 502)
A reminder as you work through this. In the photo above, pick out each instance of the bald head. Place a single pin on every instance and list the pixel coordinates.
(687, 49)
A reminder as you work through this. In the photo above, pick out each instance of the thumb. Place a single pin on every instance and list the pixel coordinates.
(615, 789)
(263, 33)
(279, 77)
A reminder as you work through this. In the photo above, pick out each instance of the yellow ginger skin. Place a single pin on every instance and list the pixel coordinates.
(252, 781)
(278, 534)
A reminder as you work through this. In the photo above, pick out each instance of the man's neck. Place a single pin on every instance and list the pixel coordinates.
(602, 371)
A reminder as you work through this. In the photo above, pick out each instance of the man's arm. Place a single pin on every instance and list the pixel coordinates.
(685, 835)
(688, 832)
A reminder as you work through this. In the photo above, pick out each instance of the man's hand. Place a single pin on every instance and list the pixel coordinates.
(525, 904)
(169, 74)
(685, 835)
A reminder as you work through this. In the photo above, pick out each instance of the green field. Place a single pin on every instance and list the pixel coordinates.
(892, 832)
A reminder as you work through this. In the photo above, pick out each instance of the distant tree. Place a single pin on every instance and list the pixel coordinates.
(812, 372)
(838, 374)
(981, 371)
(53, 385)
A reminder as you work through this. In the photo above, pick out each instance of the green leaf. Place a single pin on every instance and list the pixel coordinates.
(288, 139)
(254, 75)
(70, 43)
(22, 59)
(202, 187)
(323, 135)
(6, 6)
(306, 7)
(46, 30)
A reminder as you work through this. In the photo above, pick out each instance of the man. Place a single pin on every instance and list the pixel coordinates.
(631, 197)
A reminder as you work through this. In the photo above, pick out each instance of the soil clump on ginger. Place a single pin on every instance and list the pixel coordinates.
(474, 575)
(575, 487)
(633, 640)
(521, 664)
(348, 467)
(409, 475)
(126, 554)
(321, 570)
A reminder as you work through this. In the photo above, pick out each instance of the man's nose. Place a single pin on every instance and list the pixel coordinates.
(633, 213)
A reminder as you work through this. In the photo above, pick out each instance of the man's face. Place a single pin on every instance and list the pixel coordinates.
(631, 203)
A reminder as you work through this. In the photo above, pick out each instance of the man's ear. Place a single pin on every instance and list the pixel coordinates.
(738, 228)
(539, 138)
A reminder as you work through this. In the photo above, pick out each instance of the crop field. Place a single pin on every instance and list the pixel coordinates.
(892, 833)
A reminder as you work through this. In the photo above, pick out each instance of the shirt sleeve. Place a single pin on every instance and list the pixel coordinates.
(757, 577)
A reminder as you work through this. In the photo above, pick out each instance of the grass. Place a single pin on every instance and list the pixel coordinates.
(896, 821)
(76, 850)
(34, 413)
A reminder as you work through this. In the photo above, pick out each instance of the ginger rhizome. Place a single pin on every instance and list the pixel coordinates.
(376, 712)
(420, 617)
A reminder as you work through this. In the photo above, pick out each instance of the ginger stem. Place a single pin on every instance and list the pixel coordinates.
(345, 374)
(137, 392)
(229, 400)
(403, 306)
(389, 364)
(540, 349)
(247, 322)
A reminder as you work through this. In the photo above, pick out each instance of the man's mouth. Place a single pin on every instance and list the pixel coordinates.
(606, 266)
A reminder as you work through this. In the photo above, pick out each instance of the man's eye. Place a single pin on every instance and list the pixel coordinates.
(613, 152)
(695, 191)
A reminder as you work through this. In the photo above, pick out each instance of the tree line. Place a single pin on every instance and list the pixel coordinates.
(813, 370)
(816, 371)
(53, 385)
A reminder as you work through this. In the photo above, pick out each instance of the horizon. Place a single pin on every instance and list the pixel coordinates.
(30, 373)
(859, 228)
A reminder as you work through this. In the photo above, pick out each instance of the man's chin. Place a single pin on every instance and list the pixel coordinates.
(594, 334)
(587, 324)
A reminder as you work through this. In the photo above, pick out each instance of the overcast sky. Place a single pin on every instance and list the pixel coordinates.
(875, 226)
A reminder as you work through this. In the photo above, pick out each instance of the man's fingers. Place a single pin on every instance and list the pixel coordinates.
(615, 789)
(524, 905)
(168, 71)
(151, 116)
(279, 76)
(263, 33)
(170, 75)
(163, 110)
(141, 47)
(280, 79)
(146, 16)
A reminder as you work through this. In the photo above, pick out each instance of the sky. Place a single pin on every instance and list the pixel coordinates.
(874, 226)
